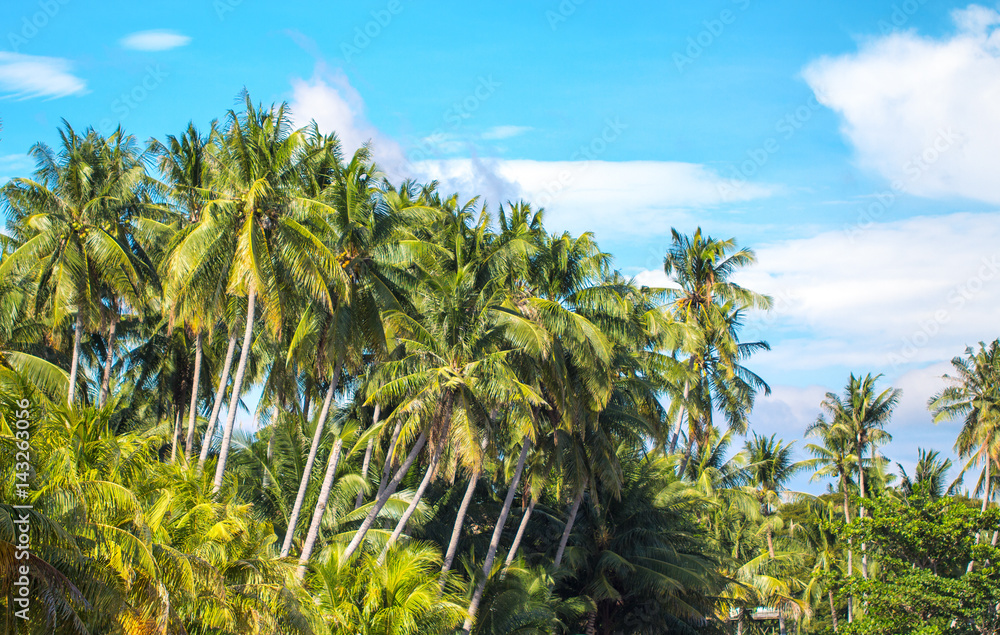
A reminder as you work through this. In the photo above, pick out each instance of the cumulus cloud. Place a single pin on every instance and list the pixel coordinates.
(919, 110)
(505, 132)
(889, 297)
(26, 76)
(156, 40)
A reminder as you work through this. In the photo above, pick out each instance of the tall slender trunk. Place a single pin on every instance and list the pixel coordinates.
(387, 468)
(861, 509)
(456, 530)
(477, 597)
(782, 628)
(109, 359)
(324, 497)
(74, 367)
(569, 526)
(293, 519)
(266, 484)
(193, 413)
(739, 623)
(591, 628)
(833, 611)
(520, 531)
(380, 502)
(687, 457)
(220, 394)
(306, 401)
(234, 399)
(445, 409)
(680, 420)
(850, 553)
(177, 434)
(982, 508)
(368, 458)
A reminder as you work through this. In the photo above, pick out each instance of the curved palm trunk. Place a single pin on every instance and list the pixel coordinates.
(680, 421)
(368, 458)
(106, 375)
(74, 367)
(387, 468)
(456, 530)
(495, 540)
(380, 502)
(220, 394)
(227, 433)
(324, 497)
(520, 532)
(569, 527)
(424, 482)
(293, 519)
(193, 413)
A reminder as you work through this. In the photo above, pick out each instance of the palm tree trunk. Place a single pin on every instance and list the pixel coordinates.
(234, 399)
(495, 540)
(569, 527)
(293, 519)
(106, 375)
(74, 367)
(833, 611)
(324, 496)
(680, 421)
(380, 502)
(220, 394)
(861, 510)
(591, 628)
(850, 555)
(387, 468)
(445, 409)
(520, 531)
(368, 458)
(266, 481)
(193, 413)
(456, 530)
(177, 434)
(982, 509)
(781, 613)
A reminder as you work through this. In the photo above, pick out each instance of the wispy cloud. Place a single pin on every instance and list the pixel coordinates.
(504, 132)
(26, 76)
(156, 40)
(14, 165)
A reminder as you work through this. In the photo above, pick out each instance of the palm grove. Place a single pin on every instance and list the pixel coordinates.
(466, 423)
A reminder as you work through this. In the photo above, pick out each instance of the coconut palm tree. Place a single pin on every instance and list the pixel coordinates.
(974, 395)
(74, 224)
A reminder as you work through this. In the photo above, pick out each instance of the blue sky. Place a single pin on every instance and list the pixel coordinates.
(850, 144)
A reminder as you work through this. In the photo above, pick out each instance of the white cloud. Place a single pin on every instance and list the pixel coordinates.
(15, 165)
(156, 40)
(895, 294)
(505, 132)
(922, 111)
(578, 195)
(26, 76)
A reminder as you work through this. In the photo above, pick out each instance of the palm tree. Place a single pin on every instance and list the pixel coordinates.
(861, 416)
(928, 477)
(74, 224)
(974, 394)
(770, 468)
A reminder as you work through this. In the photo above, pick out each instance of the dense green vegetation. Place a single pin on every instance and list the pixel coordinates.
(466, 423)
